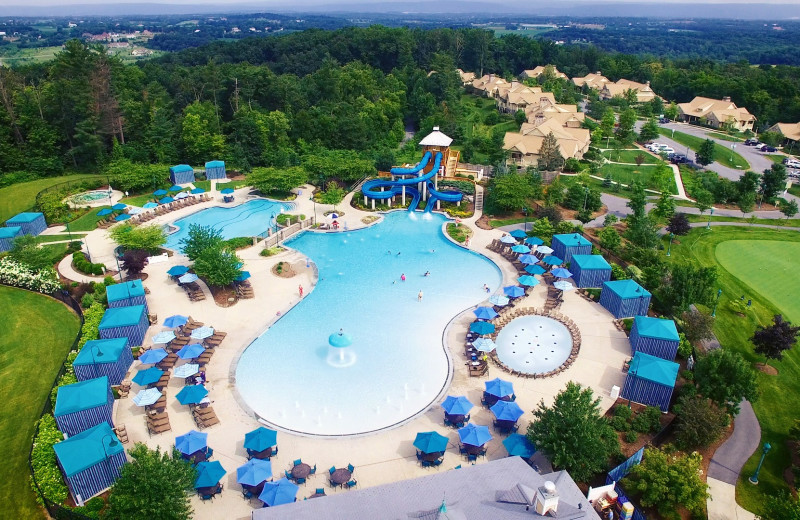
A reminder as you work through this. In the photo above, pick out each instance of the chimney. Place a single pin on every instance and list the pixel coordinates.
(726, 99)
(599, 73)
(546, 499)
(647, 83)
(435, 128)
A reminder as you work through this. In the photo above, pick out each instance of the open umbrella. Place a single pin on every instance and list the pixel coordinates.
(177, 270)
(507, 411)
(121, 217)
(191, 351)
(561, 272)
(147, 397)
(135, 211)
(153, 356)
(198, 191)
(187, 370)
(484, 344)
(176, 320)
(175, 187)
(149, 205)
(188, 278)
(535, 269)
(166, 200)
(508, 239)
(103, 212)
(160, 193)
(281, 492)
(163, 337)
(148, 376)
(518, 445)
(119, 206)
(528, 259)
(191, 394)
(498, 299)
(181, 195)
(202, 333)
(552, 260)
(481, 327)
(430, 442)
(519, 248)
(485, 313)
(260, 439)
(209, 473)
(457, 405)
(513, 291)
(518, 233)
(244, 275)
(534, 241)
(254, 472)
(499, 387)
(474, 435)
(563, 285)
(528, 280)
(226, 191)
(191, 442)
(544, 250)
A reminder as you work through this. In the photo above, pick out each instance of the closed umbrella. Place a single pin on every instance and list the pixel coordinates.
(119, 206)
(519, 248)
(508, 239)
(103, 212)
(166, 200)
(244, 275)
(507, 411)
(481, 327)
(192, 394)
(498, 299)
(163, 337)
(148, 376)
(175, 187)
(535, 269)
(188, 278)
(281, 492)
(254, 472)
(160, 193)
(474, 435)
(202, 333)
(499, 387)
(191, 442)
(544, 250)
(177, 270)
(485, 313)
(518, 445)
(121, 217)
(561, 272)
(484, 344)
(260, 439)
(153, 356)
(534, 241)
(552, 260)
(518, 233)
(457, 405)
(528, 280)
(563, 285)
(514, 291)
(209, 473)
(176, 320)
(149, 205)
(430, 442)
(147, 397)
(191, 351)
(528, 259)
(198, 191)
(187, 370)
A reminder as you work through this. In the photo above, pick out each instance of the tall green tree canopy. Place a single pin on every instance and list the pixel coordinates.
(726, 378)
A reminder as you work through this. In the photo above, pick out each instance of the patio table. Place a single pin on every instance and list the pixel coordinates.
(473, 450)
(430, 457)
(198, 456)
(264, 454)
(302, 470)
(340, 476)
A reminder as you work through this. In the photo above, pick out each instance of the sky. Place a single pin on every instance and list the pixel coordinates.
(299, 3)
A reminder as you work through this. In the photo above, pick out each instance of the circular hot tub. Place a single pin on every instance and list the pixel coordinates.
(533, 344)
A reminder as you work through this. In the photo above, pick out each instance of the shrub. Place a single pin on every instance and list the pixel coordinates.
(108, 280)
(623, 412)
(620, 424)
(617, 272)
(649, 420)
(631, 436)
(43, 460)
(684, 347)
(687, 375)
(238, 242)
(82, 265)
(87, 301)
(270, 251)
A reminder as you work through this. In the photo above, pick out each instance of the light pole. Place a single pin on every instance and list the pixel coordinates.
(764, 450)
(585, 196)
(709, 218)
(669, 249)
(525, 212)
(94, 360)
(714, 311)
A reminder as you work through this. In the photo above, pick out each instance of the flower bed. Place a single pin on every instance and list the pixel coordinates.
(19, 275)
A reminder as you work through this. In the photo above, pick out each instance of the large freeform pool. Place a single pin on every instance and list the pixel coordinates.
(245, 220)
(396, 365)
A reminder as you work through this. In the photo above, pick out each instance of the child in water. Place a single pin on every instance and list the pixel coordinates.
(403, 277)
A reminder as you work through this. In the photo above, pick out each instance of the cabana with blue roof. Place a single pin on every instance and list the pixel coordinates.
(625, 298)
(104, 357)
(126, 294)
(181, 174)
(90, 461)
(32, 223)
(7, 236)
(590, 270)
(654, 336)
(125, 322)
(215, 170)
(564, 246)
(650, 380)
(82, 405)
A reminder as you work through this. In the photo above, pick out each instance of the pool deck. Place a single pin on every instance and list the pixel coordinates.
(381, 457)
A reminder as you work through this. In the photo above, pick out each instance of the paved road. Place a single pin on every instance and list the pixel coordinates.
(729, 458)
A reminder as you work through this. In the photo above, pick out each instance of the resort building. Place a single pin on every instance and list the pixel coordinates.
(595, 81)
(519, 96)
(535, 72)
(466, 77)
(620, 88)
(525, 144)
(791, 131)
(717, 113)
(488, 84)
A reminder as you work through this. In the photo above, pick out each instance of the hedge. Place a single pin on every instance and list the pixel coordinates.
(82, 265)
(45, 465)
(89, 331)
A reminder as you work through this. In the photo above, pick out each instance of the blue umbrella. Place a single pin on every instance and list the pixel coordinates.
(544, 250)
(521, 249)
(430, 442)
(148, 376)
(561, 272)
(552, 260)
(160, 193)
(191, 351)
(280, 492)
(244, 275)
(177, 320)
(191, 394)
(121, 217)
(187, 370)
(518, 445)
(528, 259)
(149, 205)
(188, 278)
(528, 280)
(507, 411)
(202, 333)
(508, 239)
(119, 206)
(191, 442)
(163, 337)
(166, 200)
(474, 435)
(514, 291)
(498, 299)
(254, 472)
(534, 241)
(484, 344)
(226, 191)
(209, 473)
(563, 285)
(481, 327)
(485, 313)
(457, 405)
(103, 212)
(518, 233)
(499, 388)
(260, 439)
(175, 187)
(153, 356)
(177, 270)
(198, 191)
(147, 397)
(535, 269)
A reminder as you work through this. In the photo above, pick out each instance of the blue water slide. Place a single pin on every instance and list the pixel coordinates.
(434, 195)
(372, 188)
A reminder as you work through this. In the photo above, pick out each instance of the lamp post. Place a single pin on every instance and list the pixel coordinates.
(669, 248)
(94, 360)
(764, 450)
(525, 212)
(585, 196)
(714, 311)
(709, 218)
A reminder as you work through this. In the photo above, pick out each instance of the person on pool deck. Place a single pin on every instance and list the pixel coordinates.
(300, 290)
(403, 277)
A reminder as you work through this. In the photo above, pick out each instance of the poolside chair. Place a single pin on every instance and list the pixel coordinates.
(351, 484)
(437, 463)
(247, 494)
(313, 470)
(351, 468)
(426, 464)
(300, 480)
(205, 497)
(471, 458)
(287, 474)
(297, 462)
(332, 470)
(319, 491)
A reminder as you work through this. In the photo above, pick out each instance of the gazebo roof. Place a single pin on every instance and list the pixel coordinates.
(121, 316)
(81, 396)
(180, 168)
(90, 447)
(590, 262)
(656, 328)
(655, 369)
(23, 218)
(215, 164)
(436, 138)
(9, 231)
(110, 348)
(572, 240)
(121, 291)
(626, 289)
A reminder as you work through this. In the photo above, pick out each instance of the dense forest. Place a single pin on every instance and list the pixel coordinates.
(272, 101)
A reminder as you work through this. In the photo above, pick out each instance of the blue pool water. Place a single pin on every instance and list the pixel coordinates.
(534, 344)
(286, 375)
(245, 220)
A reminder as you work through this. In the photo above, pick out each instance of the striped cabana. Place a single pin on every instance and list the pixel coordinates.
(625, 298)
(7, 236)
(126, 294)
(104, 357)
(564, 246)
(181, 174)
(125, 322)
(32, 223)
(82, 405)
(590, 270)
(650, 380)
(90, 461)
(654, 336)
(215, 170)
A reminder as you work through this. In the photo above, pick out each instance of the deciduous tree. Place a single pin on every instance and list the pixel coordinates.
(788, 207)
(149, 238)
(726, 378)
(705, 154)
(698, 326)
(198, 239)
(773, 181)
(772, 340)
(679, 224)
(609, 238)
(700, 422)
(277, 180)
(510, 191)
(218, 266)
(26, 250)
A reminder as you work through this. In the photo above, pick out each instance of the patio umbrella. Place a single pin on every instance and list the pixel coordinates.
(518, 445)
(160, 193)
(507, 411)
(528, 280)
(281, 492)
(226, 191)
(484, 344)
(175, 187)
(121, 217)
(481, 327)
(148, 376)
(430, 442)
(519, 248)
(498, 299)
(166, 200)
(552, 260)
(544, 250)
(534, 241)
(457, 405)
(254, 472)
(202, 333)
(518, 233)
(153, 356)
(499, 387)
(209, 473)
(149, 205)
(147, 397)
(198, 191)
(260, 439)
(561, 272)
(474, 435)
(191, 442)
(177, 270)
(528, 259)
(191, 351)
(244, 275)
(135, 211)
(332, 216)
(508, 239)
(191, 394)
(176, 320)
(103, 212)
(514, 291)
(119, 206)
(188, 278)
(181, 195)
(563, 285)
(187, 370)
(485, 313)
(163, 337)
(535, 269)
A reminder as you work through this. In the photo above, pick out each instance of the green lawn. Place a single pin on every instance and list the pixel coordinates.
(37, 334)
(626, 174)
(794, 189)
(528, 33)
(22, 196)
(16, 57)
(779, 402)
(86, 222)
(628, 156)
(744, 221)
(722, 154)
(725, 137)
(776, 158)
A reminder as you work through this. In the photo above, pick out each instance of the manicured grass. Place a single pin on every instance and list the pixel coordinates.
(500, 222)
(139, 200)
(626, 174)
(628, 156)
(86, 222)
(776, 158)
(779, 402)
(725, 137)
(722, 154)
(22, 196)
(37, 334)
(783, 222)
(794, 189)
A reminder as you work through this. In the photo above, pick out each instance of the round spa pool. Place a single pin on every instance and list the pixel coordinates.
(534, 344)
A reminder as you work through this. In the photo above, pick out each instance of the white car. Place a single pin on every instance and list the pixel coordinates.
(655, 147)
(666, 150)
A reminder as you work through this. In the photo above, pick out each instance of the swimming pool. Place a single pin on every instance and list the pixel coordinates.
(245, 220)
(533, 344)
(400, 365)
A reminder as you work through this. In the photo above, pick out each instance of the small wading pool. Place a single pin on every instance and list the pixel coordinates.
(87, 197)
(534, 344)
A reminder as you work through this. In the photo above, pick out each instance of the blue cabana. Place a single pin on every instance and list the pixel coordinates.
(590, 270)
(625, 298)
(104, 357)
(90, 461)
(32, 223)
(654, 336)
(126, 294)
(650, 380)
(7, 236)
(564, 246)
(82, 405)
(125, 322)
(181, 174)
(215, 170)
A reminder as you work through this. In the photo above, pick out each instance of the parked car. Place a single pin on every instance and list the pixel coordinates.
(655, 147)
(760, 146)
(791, 163)
(664, 120)
(751, 142)
(678, 159)
(769, 149)
(666, 150)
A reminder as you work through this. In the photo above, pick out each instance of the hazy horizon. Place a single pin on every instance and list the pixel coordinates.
(366, 3)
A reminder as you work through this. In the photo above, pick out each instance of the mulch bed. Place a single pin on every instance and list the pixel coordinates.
(483, 222)
(767, 369)
(222, 295)
(286, 271)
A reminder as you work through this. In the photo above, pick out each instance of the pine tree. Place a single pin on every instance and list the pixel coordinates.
(550, 157)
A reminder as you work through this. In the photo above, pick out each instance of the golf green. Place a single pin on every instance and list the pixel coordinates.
(769, 267)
